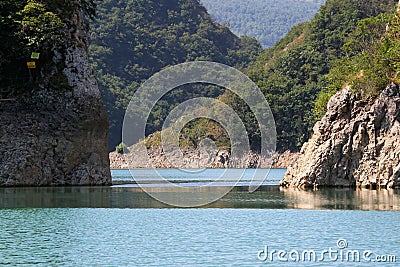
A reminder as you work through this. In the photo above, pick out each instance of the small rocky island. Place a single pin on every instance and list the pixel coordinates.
(54, 128)
(356, 144)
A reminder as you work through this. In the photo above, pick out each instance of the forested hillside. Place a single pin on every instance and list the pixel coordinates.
(267, 20)
(295, 71)
(133, 39)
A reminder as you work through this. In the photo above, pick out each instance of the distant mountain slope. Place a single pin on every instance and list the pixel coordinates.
(267, 20)
(293, 73)
(133, 39)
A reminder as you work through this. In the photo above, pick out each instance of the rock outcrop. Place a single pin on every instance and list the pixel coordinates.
(355, 144)
(56, 133)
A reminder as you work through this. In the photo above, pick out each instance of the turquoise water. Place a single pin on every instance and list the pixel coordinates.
(185, 237)
(243, 175)
(123, 226)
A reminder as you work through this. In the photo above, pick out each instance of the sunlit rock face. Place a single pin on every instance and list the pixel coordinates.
(355, 144)
(56, 133)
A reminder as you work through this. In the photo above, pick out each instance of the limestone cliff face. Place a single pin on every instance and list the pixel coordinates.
(355, 144)
(52, 134)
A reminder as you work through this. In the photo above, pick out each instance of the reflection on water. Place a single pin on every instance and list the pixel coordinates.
(349, 199)
(267, 197)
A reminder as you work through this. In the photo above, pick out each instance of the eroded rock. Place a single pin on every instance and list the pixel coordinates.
(355, 144)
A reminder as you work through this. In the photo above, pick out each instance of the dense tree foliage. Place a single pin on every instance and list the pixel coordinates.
(133, 39)
(267, 20)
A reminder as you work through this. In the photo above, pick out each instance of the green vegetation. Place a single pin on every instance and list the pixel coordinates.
(372, 57)
(131, 40)
(267, 20)
(120, 148)
(194, 133)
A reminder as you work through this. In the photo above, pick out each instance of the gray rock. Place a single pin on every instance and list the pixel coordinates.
(391, 91)
(355, 144)
(57, 135)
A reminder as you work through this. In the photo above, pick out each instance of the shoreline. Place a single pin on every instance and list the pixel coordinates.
(127, 169)
(125, 162)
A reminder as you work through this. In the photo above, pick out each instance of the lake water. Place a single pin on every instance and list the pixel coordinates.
(200, 176)
(123, 226)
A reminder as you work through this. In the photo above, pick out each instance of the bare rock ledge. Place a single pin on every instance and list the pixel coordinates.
(216, 159)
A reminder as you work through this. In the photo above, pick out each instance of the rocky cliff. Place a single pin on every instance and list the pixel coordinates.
(56, 133)
(355, 144)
